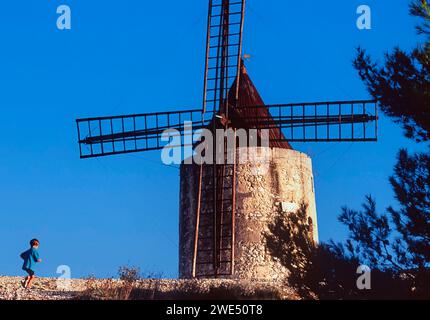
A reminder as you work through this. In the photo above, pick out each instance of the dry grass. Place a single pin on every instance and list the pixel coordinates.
(131, 286)
(157, 289)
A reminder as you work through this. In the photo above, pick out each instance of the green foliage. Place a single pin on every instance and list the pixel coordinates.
(369, 235)
(398, 241)
(421, 9)
(315, 270)
(402, 87)
(293, 243)
(394, 244)
(326, 271)
(411, 184)
(402, 84)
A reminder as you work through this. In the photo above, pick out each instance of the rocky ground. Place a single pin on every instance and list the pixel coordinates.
(52, 289)
(44, 289)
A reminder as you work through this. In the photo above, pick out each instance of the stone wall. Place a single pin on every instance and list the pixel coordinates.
(270, 182)
(155, 289)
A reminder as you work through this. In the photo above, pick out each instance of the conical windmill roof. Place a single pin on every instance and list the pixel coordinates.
(248, 118)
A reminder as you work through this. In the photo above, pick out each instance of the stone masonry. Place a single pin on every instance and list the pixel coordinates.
(270, 182)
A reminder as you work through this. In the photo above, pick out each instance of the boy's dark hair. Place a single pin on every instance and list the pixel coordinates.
(34, 242)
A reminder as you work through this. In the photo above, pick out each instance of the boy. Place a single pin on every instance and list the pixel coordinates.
(30, 257)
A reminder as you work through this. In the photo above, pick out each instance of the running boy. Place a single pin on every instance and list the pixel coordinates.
(30, 257)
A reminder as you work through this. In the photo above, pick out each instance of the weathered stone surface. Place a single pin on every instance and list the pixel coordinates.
(267, 187)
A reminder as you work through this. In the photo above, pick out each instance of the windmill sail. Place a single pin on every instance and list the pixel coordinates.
(230, 101)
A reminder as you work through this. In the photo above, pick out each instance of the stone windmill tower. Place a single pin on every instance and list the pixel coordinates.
(227, 206)
(273, 181)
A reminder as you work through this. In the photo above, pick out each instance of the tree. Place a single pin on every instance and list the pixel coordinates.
(394, 244)
(402, 85)
(398, 241)
(411, 184)
(421, 9)
(325, 271)
(314, 270)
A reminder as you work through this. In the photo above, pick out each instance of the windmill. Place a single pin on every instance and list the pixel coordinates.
(230, 101)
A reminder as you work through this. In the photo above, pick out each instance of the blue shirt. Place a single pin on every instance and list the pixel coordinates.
(30, 257)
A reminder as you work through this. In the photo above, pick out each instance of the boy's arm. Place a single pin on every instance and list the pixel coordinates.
(36, 256)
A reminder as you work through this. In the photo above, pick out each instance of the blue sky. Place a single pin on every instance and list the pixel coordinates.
(135, 56)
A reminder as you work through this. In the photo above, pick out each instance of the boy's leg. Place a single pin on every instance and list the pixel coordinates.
(24, 283)
(27, 278)
(30, 280)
